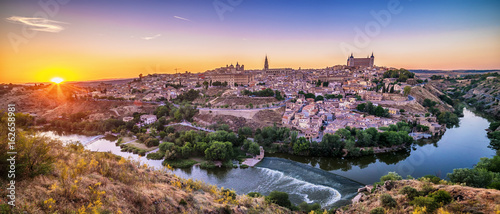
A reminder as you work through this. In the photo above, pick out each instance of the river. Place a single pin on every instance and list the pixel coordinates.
(334, 181)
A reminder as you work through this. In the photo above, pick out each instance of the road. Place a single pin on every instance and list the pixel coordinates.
(186, 123)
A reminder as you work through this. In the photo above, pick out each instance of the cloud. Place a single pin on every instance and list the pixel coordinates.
(38, 24)
(151, 37)
(178, 17)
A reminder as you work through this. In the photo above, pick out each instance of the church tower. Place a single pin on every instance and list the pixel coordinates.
(266, 64)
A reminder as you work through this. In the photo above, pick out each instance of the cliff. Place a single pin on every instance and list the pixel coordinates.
(423, 196)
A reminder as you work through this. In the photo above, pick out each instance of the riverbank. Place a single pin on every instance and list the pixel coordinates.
(251, 162)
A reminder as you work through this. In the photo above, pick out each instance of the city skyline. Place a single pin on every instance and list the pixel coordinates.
(92, 40)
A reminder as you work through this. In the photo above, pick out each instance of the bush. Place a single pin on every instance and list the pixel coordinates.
(426, 189)
(472, 177)
(182, 202)
(243, 166)
(207, 165)
(150, 142)
(254, 194)
(378, 210)
(391, 176)
(441, 196)
(427, 202)
(410, 192)
(305, 207)
(155, 155)
(388, 201)
(433, 179)
(183, 163)
(279, 198)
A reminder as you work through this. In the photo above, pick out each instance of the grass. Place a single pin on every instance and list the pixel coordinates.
(208, 165)
(182, 163)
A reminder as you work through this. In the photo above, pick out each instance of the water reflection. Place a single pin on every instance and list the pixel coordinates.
(459, 147)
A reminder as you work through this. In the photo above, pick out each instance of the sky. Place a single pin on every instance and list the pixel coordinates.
(95, 39)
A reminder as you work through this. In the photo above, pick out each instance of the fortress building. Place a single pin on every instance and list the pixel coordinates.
(366, 62)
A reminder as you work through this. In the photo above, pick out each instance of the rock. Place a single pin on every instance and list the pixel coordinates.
(388, 185)
(357, 198)
(362, 189)
(369, 188)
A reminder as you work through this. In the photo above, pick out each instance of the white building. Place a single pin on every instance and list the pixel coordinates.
(148, 118)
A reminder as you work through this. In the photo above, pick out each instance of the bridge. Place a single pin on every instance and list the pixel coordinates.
(93, 140)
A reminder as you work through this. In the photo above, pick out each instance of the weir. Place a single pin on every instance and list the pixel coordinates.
(306, 183)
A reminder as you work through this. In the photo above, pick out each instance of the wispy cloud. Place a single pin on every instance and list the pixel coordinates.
(178, 17)
(151, 37)
(38, 24)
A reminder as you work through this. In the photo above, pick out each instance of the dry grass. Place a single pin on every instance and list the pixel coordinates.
(472, 200)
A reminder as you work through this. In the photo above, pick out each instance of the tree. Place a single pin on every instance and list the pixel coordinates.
(254, 149)
(406, 90)
(301, 147)
(331, 145)
(219, 151)
(205, 83)
(279, 198)
(245, 131)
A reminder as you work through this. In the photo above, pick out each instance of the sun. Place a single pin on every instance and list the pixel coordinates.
(57, 80)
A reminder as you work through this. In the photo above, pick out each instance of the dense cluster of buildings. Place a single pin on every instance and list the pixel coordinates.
(354, 82)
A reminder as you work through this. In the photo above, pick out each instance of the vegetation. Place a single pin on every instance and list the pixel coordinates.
(264, 93)
(69, 179)
(190, 96)
(279, 198)
(402, 74)
(369, 108)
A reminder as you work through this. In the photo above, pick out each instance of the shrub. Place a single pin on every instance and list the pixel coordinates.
(150, 142)
(391, 176)
(388, 201)
(305, 207)
(441, 196)
(182, 202)
(427, 202)
(183, 163)
(426, 189)
(254, 194)
(472, 177)
(378, 210)
(410, 192)
(433, 179)
(207, 165)
(279, 198)
(243, 166)
(155, 155)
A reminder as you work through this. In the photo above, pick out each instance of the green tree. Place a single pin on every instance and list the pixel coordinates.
(406, 90)
(331, 145)
(219, 151)
(254, 149)
(301, 147)
(279, 198)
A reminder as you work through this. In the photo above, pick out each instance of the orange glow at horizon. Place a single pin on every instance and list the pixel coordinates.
(57, 80)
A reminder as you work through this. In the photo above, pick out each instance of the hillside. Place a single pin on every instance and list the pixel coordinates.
(398, 197)
(485, 96)
(429, 92)
(70, 179)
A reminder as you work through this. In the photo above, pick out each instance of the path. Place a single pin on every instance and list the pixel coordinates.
(153, 151)
(186, 123)
(251, 162)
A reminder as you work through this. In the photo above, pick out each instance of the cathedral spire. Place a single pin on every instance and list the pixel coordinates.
(266, 64)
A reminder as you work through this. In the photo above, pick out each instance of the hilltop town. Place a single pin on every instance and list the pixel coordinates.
(313, 102)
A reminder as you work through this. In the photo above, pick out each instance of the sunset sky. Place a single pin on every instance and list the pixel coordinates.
(96, 39)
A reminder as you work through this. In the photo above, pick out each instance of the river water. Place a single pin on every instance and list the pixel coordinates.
(334, 181)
